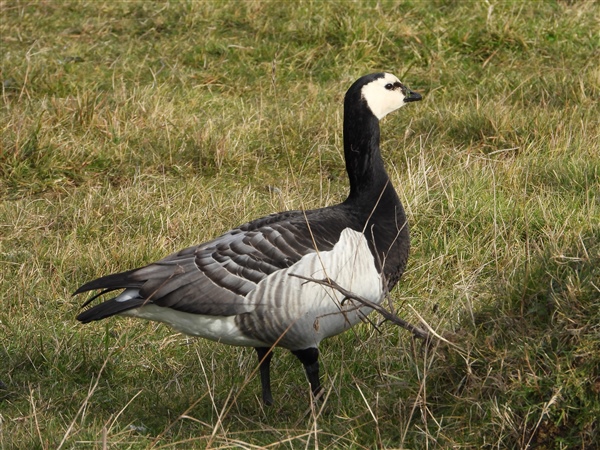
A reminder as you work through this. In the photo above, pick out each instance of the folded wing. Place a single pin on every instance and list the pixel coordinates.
(213, 278)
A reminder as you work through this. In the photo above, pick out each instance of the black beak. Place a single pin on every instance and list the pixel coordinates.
(411, 96)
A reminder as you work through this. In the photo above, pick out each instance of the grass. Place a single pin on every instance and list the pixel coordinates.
(131, 130)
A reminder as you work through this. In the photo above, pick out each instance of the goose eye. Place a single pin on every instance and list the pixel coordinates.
(389, 86)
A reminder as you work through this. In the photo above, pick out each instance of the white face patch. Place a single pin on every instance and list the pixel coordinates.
(383, 95)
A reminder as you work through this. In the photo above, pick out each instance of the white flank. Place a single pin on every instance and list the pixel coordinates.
(313, 312)
(382, 101)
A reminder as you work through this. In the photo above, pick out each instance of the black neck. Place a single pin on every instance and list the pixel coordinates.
(364, 164)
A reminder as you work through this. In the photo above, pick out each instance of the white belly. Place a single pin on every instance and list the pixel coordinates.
(216, 328)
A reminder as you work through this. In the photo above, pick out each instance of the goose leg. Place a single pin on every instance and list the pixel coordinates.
(264, 360)
(309, 358)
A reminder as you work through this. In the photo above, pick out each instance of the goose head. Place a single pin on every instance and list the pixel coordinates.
(382, 92)
(369, 99)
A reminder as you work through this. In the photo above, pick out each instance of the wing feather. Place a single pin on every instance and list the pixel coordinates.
(214, 278)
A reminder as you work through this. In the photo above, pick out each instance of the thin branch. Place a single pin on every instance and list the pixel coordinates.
(416, 331)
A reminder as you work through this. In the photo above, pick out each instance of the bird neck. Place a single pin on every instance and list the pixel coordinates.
(366, 172)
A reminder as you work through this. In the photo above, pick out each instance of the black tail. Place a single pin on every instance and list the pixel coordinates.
(110, 307)
(112, 282)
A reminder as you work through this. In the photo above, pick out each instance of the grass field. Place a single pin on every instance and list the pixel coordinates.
(131, 130)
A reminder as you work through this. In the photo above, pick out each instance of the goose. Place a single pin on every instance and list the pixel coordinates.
(240, 289)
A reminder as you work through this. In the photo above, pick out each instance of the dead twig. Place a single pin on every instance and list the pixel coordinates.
(416, 331)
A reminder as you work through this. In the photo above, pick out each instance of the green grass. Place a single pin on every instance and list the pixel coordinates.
(131, 130)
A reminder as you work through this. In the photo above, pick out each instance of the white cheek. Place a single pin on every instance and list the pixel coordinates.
(382, 101)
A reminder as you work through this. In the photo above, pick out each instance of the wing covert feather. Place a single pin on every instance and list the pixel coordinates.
(214, 278)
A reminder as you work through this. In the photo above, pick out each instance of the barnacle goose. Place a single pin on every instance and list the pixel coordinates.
(237, 289)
